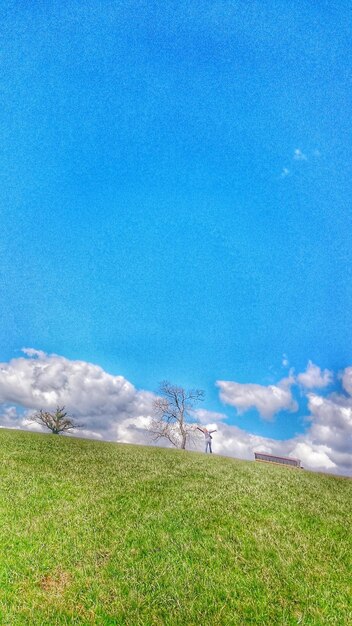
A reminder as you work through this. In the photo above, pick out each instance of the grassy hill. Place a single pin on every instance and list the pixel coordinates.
(100, 533)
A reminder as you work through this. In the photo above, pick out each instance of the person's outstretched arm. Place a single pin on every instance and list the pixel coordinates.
(213, 431)
(201, 430)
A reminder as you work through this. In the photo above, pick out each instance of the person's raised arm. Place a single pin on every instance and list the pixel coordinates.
(213, 431)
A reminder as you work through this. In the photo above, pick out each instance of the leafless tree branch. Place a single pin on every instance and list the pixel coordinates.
(58, 422)
(173, 419)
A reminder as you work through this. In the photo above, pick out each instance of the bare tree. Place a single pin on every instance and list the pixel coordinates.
(173, 419)
(57, 422)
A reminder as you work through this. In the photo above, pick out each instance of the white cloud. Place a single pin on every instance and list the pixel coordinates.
(346, 378)
(314, 377)
(134, 430)
(204, 416)
(331, 420)
(10, 418)
(33, 352)
(299, 156)
(315, 457)
(15, 417)
(331, 429)
(267, 400)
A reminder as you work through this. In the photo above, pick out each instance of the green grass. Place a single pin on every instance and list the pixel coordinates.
(101, 533)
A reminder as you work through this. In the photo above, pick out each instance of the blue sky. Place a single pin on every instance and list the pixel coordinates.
(175, 191)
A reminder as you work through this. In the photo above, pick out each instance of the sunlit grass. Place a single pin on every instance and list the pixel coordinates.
(99, 533)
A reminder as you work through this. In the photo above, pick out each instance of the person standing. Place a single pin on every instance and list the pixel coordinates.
(207, 436)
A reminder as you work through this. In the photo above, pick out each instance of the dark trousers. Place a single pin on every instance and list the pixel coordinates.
(208, 445)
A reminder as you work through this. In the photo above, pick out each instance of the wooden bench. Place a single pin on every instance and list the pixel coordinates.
(279, 460)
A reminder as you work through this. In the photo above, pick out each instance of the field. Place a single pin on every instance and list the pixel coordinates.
(101, 533)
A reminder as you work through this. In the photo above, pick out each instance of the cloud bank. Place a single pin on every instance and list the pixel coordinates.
(111, 408)
(267, 400)
(314, 377)
(327, 443)
(101, 401)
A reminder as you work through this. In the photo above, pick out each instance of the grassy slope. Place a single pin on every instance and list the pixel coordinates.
(98, 533)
